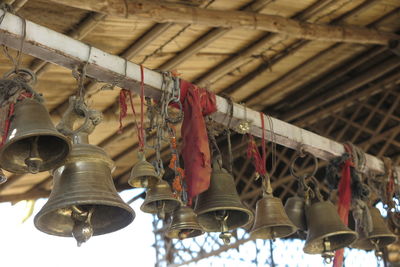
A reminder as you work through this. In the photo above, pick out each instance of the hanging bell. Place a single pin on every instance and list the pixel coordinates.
(220, 204)
(33, 144)
(271, 220)
(160, 200)
(184, 224)
(380, 236)
(143, 174)
(295, 210)
(84, 201)
(326, 231)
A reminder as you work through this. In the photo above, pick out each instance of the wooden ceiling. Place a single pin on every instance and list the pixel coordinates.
(344, 91)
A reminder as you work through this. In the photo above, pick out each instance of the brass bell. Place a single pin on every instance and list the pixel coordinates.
(84, 201)
(271, 220)
(33, 144)
(220, 205)
(84, 198)
(160, 200)
(295, 210)
(143, 174)
(380, 236)
(326, 231)
(184, 224)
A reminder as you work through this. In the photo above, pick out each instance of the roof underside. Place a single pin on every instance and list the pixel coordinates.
(344, 91)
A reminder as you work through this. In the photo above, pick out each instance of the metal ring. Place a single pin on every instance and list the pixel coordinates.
(293, 173)
(179, 117)
(30, 73)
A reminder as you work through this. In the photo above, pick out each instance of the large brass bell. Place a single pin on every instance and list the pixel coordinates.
(271, 220)
(33, 144)
(295, 210)
(380, 236)
(84, 201)
(184, 224)
(221, 203)
(160, 200)
(143, 174)
(326, 231)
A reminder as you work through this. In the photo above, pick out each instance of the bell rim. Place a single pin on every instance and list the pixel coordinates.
(254, 232)
(45, 211)
(32, 134)
(154, 211)
(306, 248)
(173, 233)
(211, 229)
(152, 181)
(366, 244)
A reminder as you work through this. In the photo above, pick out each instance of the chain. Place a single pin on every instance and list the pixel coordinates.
(161, 120)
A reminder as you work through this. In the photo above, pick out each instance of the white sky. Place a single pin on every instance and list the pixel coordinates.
(23, 245)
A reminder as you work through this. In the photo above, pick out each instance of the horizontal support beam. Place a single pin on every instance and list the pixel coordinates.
(179, 13)
(59, 49)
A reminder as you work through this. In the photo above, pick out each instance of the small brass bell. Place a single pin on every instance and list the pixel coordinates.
(326, 231)
(295, 210)
(221, 204)
(33, 144)
(84, 201)
(143, 174)
(271, 220)
(380, 236)
(184, 224)
(160, 200)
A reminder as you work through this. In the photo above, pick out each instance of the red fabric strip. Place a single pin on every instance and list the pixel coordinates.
(344, 201)
(141, 137)
(196, 102)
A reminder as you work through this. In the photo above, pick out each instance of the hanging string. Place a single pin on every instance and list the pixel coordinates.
(228, 134)
(141, 137)
(259, 160)
(81, 77)
(16, 62)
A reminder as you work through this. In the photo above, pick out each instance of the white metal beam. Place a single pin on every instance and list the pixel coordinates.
(62, 50)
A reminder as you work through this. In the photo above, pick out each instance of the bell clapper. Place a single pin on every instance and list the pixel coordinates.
(160, 209)
(3, 177)
(378, 251)
(82, 230)
(34, 161)
(327, 254)
(222, 216)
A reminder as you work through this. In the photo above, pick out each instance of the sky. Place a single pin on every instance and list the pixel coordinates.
(21, 244)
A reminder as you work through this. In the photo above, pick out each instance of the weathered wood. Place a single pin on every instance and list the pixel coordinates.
(65, 51)
(208, 38)
(265, 41)
(357, 82)
(178, 13)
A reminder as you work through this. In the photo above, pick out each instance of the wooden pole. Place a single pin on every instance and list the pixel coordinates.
(57, 48)
(179, 13)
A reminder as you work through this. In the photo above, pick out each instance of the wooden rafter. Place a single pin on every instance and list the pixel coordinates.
(179, 13)
(255, 48)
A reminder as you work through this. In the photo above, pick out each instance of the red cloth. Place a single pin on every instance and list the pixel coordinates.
(196, 102)
(344, 199)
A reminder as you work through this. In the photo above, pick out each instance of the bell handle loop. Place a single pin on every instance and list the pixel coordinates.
(266, 185)
(31, 80)
(301, 154)
(78, 109)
